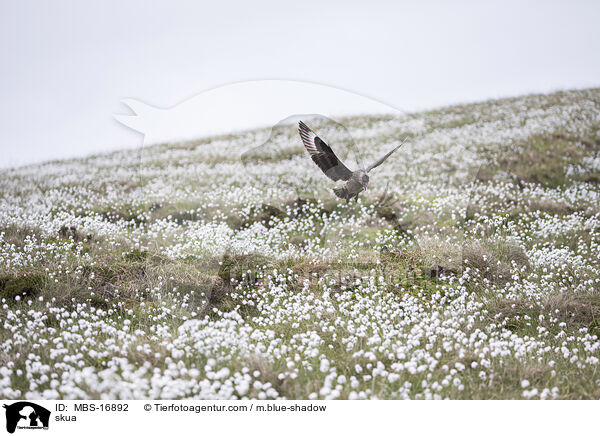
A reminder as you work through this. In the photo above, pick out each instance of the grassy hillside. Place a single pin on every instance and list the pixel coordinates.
(225, 268)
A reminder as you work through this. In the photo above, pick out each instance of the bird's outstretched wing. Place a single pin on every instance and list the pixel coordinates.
(323, 155)
(383, 158)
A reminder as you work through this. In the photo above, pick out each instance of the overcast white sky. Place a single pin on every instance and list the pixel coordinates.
(65, 65)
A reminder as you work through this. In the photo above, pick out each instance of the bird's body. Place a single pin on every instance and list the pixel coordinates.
(354, 186)
(321, 154)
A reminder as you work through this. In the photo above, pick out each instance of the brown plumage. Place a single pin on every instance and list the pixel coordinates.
(334, 168)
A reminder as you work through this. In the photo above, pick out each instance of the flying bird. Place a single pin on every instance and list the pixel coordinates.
(321, 154)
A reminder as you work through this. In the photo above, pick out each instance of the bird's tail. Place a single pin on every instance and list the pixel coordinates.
(341, 192)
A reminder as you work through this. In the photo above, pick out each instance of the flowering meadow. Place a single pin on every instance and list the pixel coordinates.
(225, 267)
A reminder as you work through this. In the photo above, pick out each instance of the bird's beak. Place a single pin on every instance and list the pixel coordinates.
(366, 186)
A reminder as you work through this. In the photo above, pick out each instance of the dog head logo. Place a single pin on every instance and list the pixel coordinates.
(26, 415)
(244, 105)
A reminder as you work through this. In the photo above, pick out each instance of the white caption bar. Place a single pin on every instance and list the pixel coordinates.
(149, 417)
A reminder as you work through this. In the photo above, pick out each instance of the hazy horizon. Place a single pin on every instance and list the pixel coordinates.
(66, 66)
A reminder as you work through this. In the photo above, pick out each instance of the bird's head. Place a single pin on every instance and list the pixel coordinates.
(364, 180)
